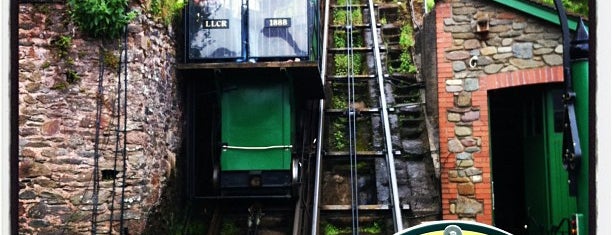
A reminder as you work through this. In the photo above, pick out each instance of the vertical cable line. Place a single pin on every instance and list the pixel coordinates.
(350, 75)
(117, 135)
(124, 153)
(96, 176)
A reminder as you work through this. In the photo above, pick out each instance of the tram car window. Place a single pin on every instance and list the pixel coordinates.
(215, 29)
(278, 28)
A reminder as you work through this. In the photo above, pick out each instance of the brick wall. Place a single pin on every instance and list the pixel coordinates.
(517, 50)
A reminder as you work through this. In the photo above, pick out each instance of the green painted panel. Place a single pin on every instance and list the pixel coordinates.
(562, 205)
(256, 125)
(580, 80)
(535, 167)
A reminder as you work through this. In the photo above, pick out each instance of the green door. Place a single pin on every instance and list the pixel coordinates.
(256, 125)
(547, 198)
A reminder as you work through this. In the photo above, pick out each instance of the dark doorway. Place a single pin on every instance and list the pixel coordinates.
(529, 182)
(506, 130)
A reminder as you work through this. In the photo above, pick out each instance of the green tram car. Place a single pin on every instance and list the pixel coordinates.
(252, 89)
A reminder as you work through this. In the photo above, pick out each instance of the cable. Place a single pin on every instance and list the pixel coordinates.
(124, 153)
(117, 131)
(96, 177)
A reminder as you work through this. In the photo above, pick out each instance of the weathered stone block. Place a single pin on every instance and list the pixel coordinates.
(506, 42)
(464, 99)
(457, 55)
(454, 82)
(455, 146)
(525, 64)
(463, 156)
(467, 205)
(553, 59)
(488, 50)
(470, 116)
(548, 43)
(471, 44)
(51, 127)
(559, 49)
(472, 149)
(449, 21)
(543, 51)
(493, 68)
(510, 34)
(472, 171)
(519, 25)
(504, 49)
(502, 56)
(471, 84)
(453, 117)
(500, 28)
(465, 189)
(523, 50)
(533, 28)
(464, 10)
(461, 18)
(468, 142)
(465, 163)
(459, 66)
(463, 131)
(463, 35)
(453, 89)
(458, 28)
(476, 178)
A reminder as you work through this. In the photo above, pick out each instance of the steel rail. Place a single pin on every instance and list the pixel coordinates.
(397, 214)
(317, 183)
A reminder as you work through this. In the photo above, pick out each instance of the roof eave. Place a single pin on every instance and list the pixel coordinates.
(542, 12)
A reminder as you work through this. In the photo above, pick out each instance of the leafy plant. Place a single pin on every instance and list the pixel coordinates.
(62, 44)
(167, 10)
(101, 18)
(430, 4)
(576, 6)
(406, 39)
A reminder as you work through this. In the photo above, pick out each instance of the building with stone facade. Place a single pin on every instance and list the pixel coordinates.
(499, 76)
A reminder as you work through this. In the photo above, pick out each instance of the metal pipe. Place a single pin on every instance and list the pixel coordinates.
(317, 183)
(397, 214)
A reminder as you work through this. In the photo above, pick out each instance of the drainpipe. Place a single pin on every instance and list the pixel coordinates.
(579, 56)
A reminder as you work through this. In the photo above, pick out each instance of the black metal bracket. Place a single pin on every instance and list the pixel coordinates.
(572, 152)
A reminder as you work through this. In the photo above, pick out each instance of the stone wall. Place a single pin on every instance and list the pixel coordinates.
(517, 50)
(58, 94)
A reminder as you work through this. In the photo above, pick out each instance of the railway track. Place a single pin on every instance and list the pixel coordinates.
(369, 119)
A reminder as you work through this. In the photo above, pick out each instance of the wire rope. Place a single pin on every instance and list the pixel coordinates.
(96, 176)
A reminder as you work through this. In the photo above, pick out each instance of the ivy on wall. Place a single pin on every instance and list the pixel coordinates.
(101, 18)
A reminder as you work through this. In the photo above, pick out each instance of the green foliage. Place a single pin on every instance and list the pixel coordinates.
(341, 63)
(430, 4)
(101, 18)
(330, 229)
(45, 65)
(406, 39)
(576, 6)
(340, 17)
(374, 229)
(62, 44)
(72, 77)
(166, 10)
(406, 65)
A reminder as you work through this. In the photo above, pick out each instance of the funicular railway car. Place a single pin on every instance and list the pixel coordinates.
(251, 78)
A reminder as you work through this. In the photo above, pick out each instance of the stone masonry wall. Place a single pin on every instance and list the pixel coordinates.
(517, 50)
(57, 123)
